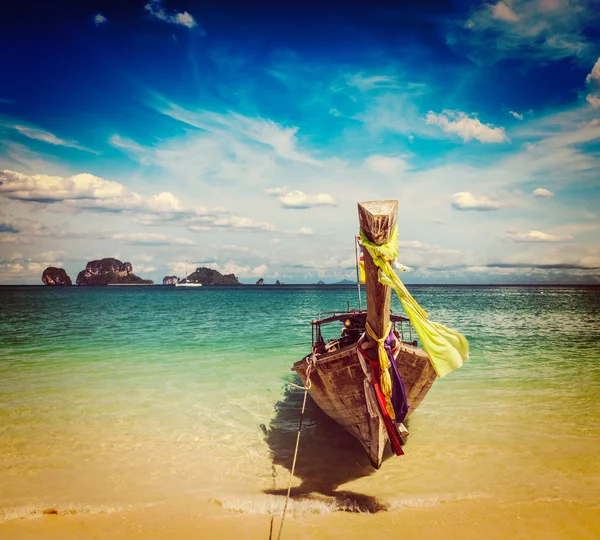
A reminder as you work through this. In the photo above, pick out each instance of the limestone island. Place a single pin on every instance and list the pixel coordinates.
(110, 271)
(56, 277)
(208, 276)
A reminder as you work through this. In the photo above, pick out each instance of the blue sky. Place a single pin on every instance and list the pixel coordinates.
(240, 136)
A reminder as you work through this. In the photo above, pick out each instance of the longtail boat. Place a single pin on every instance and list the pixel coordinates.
(345, 375)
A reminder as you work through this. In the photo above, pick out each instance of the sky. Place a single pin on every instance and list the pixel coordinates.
(240, 137)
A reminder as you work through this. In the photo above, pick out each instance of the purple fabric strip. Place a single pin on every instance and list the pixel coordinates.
(399, 400)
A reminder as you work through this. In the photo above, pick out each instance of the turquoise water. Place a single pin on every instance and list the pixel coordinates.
(121, 397)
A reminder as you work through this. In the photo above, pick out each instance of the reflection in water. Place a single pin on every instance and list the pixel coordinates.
(328, 456)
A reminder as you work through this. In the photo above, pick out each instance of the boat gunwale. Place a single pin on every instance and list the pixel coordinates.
(341, 315)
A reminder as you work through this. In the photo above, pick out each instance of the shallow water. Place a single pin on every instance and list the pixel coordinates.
(116, 398)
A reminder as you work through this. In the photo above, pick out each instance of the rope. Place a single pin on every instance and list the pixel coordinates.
(306, 388)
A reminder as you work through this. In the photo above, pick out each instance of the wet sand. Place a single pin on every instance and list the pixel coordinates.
(468, 520)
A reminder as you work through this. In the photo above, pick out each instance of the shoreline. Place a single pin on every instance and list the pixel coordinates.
(465, 519)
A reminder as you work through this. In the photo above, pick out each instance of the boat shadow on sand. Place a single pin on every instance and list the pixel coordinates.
(328, 456)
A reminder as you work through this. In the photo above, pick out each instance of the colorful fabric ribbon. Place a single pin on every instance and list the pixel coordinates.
(447, 349)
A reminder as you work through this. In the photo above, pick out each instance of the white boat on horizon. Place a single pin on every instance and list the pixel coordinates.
(186, 283)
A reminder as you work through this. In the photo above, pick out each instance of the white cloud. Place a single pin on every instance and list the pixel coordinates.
(155, 8)
(41, 187)
(386, 164)
(239, 270)
(467, 128)
(52, 255)
(536, 29)
(151, 238)
(89, 192)
(143, 269)
(504, 12)
(594, 75)
(302, 231)
(542, 192)
(10, 239)
(299, 199)
(99, 19)
(205, 223)
(165, 202)
(538, 236)
(467, 201)
(10, 270)
(516, 115)
(593, 100)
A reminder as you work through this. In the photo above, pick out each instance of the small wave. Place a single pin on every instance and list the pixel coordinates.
(316, 503)
(35, 511)
(433, 500)
(299, 506)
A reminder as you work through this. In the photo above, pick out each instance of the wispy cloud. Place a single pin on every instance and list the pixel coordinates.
(538, 236)
(154, 239)
(373, 82)
(466, 127)
(387, 165)
(156, 9)
(44, 136)
(131, 148)
(516, 115)
(537, 29)
(281, 139)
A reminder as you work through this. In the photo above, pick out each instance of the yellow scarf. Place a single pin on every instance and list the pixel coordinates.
(447, 349)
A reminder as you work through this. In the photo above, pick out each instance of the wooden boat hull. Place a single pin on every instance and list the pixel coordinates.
(337, 387)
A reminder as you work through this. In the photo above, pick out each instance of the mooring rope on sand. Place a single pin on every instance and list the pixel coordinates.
(306, 388)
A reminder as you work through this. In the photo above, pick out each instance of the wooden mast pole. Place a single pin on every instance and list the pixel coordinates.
(377, 221)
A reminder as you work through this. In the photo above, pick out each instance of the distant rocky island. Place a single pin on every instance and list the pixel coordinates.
(205, 276)
(56, 277)
(109, 271)
(208, 276)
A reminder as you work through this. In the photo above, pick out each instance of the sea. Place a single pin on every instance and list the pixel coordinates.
(117, 398)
